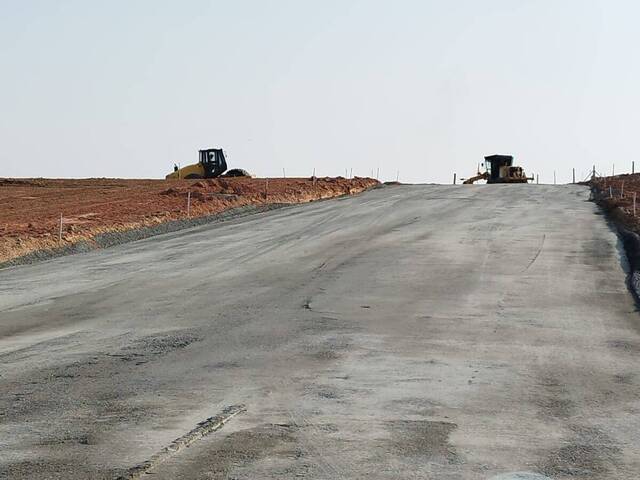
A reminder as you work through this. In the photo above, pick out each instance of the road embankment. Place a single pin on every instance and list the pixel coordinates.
(45, 218)
(619, 197)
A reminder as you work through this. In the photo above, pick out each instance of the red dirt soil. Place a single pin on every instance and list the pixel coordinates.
(617, 193)
(30, 209)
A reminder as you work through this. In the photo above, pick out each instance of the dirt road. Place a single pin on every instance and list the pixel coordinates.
(440, 332)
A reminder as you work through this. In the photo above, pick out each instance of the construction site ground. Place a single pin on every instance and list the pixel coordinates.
(31, 209)
(433, 332)
(617, 192)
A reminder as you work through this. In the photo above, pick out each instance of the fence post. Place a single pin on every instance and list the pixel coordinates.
(266, 189)
(60, 230)
(634, 204)
(454, 178)
(633, 168)
(622, 190)
(613, 170)
(537, 179)
(574, 175)
(378, 174)
(351, 173)
(189, 203)
(610, 192)
(593, 174)
(398, 176)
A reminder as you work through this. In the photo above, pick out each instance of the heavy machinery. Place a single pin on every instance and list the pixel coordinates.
(499, 169)
(211, 164)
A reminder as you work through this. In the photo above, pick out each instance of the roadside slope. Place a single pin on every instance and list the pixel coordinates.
(42, 218)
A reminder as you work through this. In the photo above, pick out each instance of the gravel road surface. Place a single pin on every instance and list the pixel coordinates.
(432, 332)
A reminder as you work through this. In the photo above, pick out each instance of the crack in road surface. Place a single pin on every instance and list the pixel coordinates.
(537, 253)
(203, 428)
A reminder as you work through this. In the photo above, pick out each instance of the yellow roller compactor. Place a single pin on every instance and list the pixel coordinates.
(499, 169)
(211, 164)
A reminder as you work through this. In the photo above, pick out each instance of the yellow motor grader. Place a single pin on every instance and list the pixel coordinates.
(499, 169)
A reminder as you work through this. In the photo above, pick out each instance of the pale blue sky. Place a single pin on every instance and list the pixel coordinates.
(126, 88)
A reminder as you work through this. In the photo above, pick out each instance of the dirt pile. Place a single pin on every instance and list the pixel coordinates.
(30, 209)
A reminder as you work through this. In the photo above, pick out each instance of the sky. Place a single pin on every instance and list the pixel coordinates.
(411, 89)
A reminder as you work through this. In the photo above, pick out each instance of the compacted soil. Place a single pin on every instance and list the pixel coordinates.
(31, 209)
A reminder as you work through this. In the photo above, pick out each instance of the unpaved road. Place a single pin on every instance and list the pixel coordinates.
(409, 332)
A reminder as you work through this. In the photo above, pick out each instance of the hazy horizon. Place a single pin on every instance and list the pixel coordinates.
(426, 88)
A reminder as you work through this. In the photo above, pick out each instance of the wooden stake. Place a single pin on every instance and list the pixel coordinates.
(634, 204)
(537, 178)
(60, 230)
(574, 175)
(189, 203)
(454, 178)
